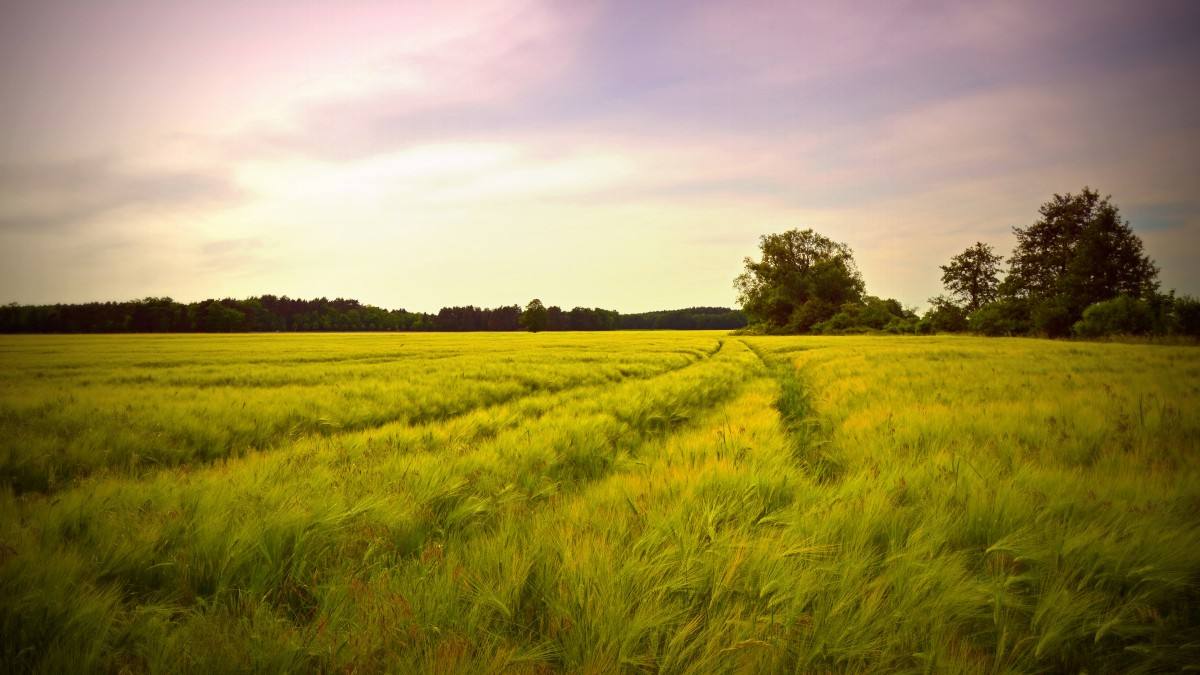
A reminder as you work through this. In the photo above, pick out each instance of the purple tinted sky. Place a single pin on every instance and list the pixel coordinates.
(619, 154)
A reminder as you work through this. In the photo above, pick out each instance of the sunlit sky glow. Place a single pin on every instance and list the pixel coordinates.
(623, 155)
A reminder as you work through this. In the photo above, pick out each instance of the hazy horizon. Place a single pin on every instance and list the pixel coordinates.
(598, 154)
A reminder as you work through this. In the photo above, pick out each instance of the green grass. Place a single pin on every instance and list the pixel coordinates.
(658, 502)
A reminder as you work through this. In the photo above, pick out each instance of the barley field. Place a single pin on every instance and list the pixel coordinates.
(674, 502)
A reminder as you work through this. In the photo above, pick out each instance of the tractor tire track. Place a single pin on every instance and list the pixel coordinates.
(800, 419)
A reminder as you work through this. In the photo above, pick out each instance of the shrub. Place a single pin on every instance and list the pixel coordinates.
(1186, 316)
(1122, 315)
(877, 313)
(872, 314)
(943, 316)
(899, 325)
(805, 317)
(838, 323)
(1003, 317)
(1053, 318)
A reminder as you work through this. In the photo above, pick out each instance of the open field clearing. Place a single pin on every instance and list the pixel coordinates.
(597, 502)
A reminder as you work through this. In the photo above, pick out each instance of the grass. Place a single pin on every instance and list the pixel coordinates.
(659, 502)
(73, 405)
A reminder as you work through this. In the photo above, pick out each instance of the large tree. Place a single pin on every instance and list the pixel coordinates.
(802, 279)
(535, 316)
(1079, 252)
(972, 277)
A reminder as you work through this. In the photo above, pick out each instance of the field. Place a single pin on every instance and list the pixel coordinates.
(637, 501)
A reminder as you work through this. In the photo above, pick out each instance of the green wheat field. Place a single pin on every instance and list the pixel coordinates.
(690, 502)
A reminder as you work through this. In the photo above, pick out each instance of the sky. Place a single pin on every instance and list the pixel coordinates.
(625, 155)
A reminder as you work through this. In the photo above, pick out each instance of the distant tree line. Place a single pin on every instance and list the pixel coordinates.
(270, 313)
(1079, 270)
(537, 316)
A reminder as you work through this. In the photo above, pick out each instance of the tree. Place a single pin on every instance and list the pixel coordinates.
(685, 319)
(534, 317)
(153, 315)
(803, 278)
(217, 317)
(944, 315)
(503, 318)
(1185, 313)
(972, 276)
(281, 313)
(1078, 253)
(556, 319)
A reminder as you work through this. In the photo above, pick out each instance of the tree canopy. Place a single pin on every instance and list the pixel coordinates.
(533, 319)
(1078, 269)
(1079, 252)
(972, 277)
(802, 279)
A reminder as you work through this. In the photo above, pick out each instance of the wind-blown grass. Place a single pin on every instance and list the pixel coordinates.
(703, 503)
(72, 405)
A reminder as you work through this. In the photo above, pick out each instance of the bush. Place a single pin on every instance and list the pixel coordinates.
(900, 325)
(1122, 315)
(1186, 316)
(877, 313)
(1003, 317)
(1053, 318)
(943, 317)
(804, 318)
(872, 314)
(839, 323)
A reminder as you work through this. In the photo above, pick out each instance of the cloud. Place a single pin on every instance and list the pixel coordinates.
(476, 79)
(239, 256)
(66, 196)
